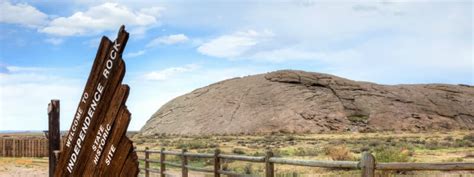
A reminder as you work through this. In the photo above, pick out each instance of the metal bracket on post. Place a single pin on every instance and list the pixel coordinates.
(57, 153)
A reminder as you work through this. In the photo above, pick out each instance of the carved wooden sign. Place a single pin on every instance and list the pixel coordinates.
(96, 144)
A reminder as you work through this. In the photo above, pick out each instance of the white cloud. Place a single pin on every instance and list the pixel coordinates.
(25, 93)
(135, 54)
(234, 45)
(168, 40)
(285, 54)
(382, 42)
(22, 14)
(168, 73)
(108, 16)
(267, 47)
(54, 41)
(18, 69)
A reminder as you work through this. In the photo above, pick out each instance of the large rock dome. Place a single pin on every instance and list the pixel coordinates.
(308, 102)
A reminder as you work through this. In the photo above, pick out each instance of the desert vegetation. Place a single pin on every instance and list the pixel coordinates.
(455, 146)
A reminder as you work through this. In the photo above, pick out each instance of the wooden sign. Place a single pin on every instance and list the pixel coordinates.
(96, 144)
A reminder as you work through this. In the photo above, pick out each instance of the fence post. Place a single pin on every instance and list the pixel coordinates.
(13, 144)
(269, 167)
(162, 162)
(184, 162)
(147, 164)
(53, 134)
(217, 163)
(367, 163)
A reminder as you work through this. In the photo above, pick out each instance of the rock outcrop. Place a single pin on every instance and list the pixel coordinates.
(308, 102)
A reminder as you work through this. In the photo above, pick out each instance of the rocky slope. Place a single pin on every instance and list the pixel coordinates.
(304, 102)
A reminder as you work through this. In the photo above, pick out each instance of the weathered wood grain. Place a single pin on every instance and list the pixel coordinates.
(316, 163)
(83, 106)
(97, 145)
(110, 86)
(242, 158)
(120, 128)
(54, 135)
(118, 101)
(120, 157)
(367, 163)
(21, 147)
(425, 166)
(130, 167)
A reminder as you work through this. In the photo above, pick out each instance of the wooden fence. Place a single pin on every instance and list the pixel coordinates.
(16, 147)
(367, 164)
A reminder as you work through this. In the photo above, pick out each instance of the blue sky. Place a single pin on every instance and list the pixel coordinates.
(47, 48)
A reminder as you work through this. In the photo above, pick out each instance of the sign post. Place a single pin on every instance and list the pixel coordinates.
(53, 134)
(96, 143)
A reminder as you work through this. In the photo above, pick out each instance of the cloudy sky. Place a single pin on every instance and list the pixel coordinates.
(47, 48)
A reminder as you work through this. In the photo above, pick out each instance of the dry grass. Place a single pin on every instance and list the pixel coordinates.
(452, 146)
(340, 153)
(23, 167)
(419, 147)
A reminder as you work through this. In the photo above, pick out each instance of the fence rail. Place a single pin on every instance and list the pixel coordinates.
(367, 164)
(32, 147)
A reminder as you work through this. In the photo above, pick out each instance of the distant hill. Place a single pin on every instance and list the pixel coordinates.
(308, 102)
(20, 131)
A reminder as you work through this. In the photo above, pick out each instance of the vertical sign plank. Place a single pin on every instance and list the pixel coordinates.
(96, 144)
(53, 134)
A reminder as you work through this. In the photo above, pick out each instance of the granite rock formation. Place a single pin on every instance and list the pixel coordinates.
(308, 102)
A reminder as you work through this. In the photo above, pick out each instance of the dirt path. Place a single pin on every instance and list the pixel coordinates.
(23, 167)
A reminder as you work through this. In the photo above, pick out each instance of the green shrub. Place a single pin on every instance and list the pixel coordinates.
(432, 145)
(281, 152)
(290, 138)
(258, 153)
(248, 169)
(449, 138)
(375, 143)
(455, 159)
(300, 151)
(238, 151)
(139, 141)
(225, 166)
(358, 118)
(392, 154)
(469, 137)
(194, 144)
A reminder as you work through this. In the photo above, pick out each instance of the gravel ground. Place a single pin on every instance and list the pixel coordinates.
(23, 167)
